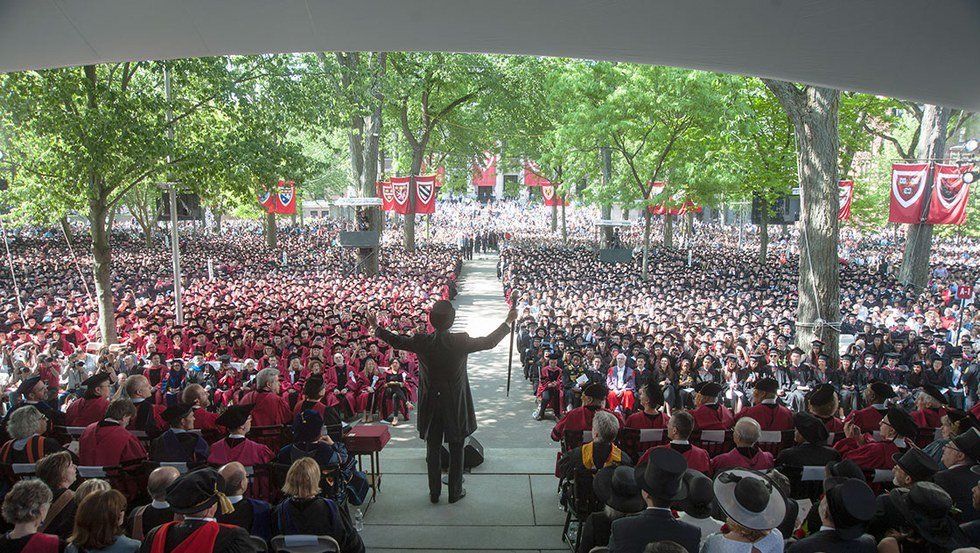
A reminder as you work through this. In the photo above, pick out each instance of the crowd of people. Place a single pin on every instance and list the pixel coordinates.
(275, 357)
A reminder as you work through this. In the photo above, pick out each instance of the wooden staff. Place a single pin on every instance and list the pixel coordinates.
(510, 356)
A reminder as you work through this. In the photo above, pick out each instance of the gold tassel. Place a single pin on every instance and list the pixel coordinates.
(224, 502)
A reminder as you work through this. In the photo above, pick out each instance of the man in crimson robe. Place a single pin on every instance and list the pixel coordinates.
(236, 447)
(931, 407)
(709, 414)
(770, 415)
(651, 416)
(868, 419)
(107, 443)
(196, 396)
(745, 454)
(270, 408)
(679, 430)
(580, 418)
(93, 405)
(896, 427)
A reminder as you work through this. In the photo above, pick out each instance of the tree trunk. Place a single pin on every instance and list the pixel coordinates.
(271, 240)
(689, 229)
(607, 231)
(918, 242)
(813, 111)
(668, 231)
(606, 208)
(147, 236)
(102, 269)
(217, 221)
(66, 229)
(554, 217)
(410, 216)
(564, 225)
(763, 230)
(647, 216)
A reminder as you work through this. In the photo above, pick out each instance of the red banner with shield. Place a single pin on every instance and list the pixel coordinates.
(908, 192)
(425, 195)
(846, 190)
(947, 204)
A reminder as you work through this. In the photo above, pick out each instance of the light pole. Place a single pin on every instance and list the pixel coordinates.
(171, 188)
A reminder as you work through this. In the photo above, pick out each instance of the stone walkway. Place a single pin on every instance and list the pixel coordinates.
(511, 504)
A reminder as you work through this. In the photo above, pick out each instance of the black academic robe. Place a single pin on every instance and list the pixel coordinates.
(64, 522)
(444, 389)
(183, 447)
(231, 539)
(254, 515)
(316, 516)
(959, 483)
(830, 540)
(149, 518)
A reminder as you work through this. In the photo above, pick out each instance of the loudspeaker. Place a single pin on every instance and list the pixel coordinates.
(615, 255)
(188, 207)
(359, 239)
(472, 454)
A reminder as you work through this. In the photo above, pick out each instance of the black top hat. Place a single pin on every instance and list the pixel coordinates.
(928, 508)
(969, 443)
(235, 416)
(709, 389)
(811, 428)
(767, 385)
(902, 422)
(616, 487)
(96, 380)
(882, 390)
(845, 469)
(934, 393)
(197, 491)
(442, 315)
(662, 476)
(175, 412)
(27, 385)
(595, 391)
(852, 505)
(750, 498)
(822, 395)
(917, 464)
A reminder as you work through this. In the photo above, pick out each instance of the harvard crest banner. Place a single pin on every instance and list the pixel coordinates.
(400, 187)
(907, 192)
(846, 190)
(425, 195)
(387, 195)
(950, 194)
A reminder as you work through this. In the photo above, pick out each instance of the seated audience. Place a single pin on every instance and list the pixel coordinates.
(107, 443)
(25, 507)
(960, 455)
(99, 525)
(926, 522)
(679, 430)
(651, 415)
(699, 505)
(770, 415)
(27, 444)
(270, 408)
(616, 488)
(895, 427)
(601, 452)
(846, 508)
(580, 418)
(745, 454)
(811, 447)
(708, 413)
(236, 447)
(179, 444)
(254, 515)
(304, 511)
(953, 423)
(92, 406)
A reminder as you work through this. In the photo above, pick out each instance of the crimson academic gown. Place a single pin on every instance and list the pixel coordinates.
(83, 412)
(644, 421)
(712, 416)
(930, 417)
(579, 419)
(206, 420)
(270, 409)
(834, 425)
(107, 444)
(246, 452)
(870, 456)
(736, 458)
(867, 419)
(770, 416)
(697, 458)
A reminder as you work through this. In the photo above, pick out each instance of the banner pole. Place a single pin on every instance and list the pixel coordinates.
(510, 356)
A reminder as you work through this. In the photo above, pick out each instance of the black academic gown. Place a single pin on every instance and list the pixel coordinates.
(958, 483)
(444, 389)
(830, 540)
(231, 539)
(183, 447)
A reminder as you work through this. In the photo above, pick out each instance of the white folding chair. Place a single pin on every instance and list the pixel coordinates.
(713, 436)
(300, 543)
(883, 476)
(91, 472)
(770, 437)
(813, 474)
(23, 469)
(651, 435)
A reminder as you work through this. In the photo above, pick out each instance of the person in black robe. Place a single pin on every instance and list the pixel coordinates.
(445, 403)
(144, 518)
(179, 444)
(254, 515)
(811, 449)
(197, 496)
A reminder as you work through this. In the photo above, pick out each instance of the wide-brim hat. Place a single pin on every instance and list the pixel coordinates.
(928, 508)
(700, 501)
(662, 476)
(902, 422)
(617, 488)
(916, 463)
(750, 498)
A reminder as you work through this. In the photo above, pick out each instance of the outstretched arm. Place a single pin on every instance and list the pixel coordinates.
(491, 340)
(396, 341)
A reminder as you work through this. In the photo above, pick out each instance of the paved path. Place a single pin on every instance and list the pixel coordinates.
(511, 504)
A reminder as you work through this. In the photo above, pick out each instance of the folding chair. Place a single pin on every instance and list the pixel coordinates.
(258, 544)
(712, 441)
(628, 440)
(583, 502)
(810, 482)
(301, 543)
(775, 441)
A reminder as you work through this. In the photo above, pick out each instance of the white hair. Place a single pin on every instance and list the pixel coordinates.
(605, 427)
(24, 422)
(266, 377)
(747, 430)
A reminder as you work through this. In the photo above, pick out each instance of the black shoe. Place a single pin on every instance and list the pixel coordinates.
(434, 498)
(462, 494)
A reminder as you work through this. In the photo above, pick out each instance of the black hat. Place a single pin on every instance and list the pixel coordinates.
(708, 389)
(811, 428)
(442, 315)
(96, 380)
(235, 416)
(197, 491)
(700, 494)
(902, 422)
(554, 355)
(845, 469)
(307, 426)
(917, 464)
(767, 385)
(616, 487)
(595, 391)
(957, 416)
(27, 385)
(175, 412)
(847, 357)
(882, 389)
(653, 392)
(969, 443)
(852, 505)
(797, 351)
(823, 394)
(928, 508)
(934, 393)
(662, 476)
(817, 343)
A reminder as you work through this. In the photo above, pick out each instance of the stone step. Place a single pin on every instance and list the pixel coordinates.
(531, 460)
(463, 538)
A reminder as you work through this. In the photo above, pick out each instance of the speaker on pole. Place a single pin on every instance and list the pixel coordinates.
(472, 454)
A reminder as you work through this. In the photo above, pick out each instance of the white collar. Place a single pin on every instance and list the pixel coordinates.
(107, 419)
(768, 402)
(136, 400)
(660, 509)
(680, 442)
(235, 498)
(900, 442)
(205, 519)
(156, 504)
(236, 436)
(826, 528)
(178, 430)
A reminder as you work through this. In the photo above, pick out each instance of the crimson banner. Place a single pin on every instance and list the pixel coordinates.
(425, 195)
(282, 201)
(531, 177)
(846, 190)
(950, 194)
(907, 192)
(487, 174)
(267, 201)
(400, 188)
(551, 197)
(387, 195)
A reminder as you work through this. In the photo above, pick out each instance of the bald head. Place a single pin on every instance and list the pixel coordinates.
(236, 480)
(159, 480)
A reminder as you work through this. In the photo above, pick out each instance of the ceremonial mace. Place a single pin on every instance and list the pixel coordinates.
(510, 356)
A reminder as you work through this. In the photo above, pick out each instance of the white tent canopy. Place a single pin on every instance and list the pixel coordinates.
(914, 49)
